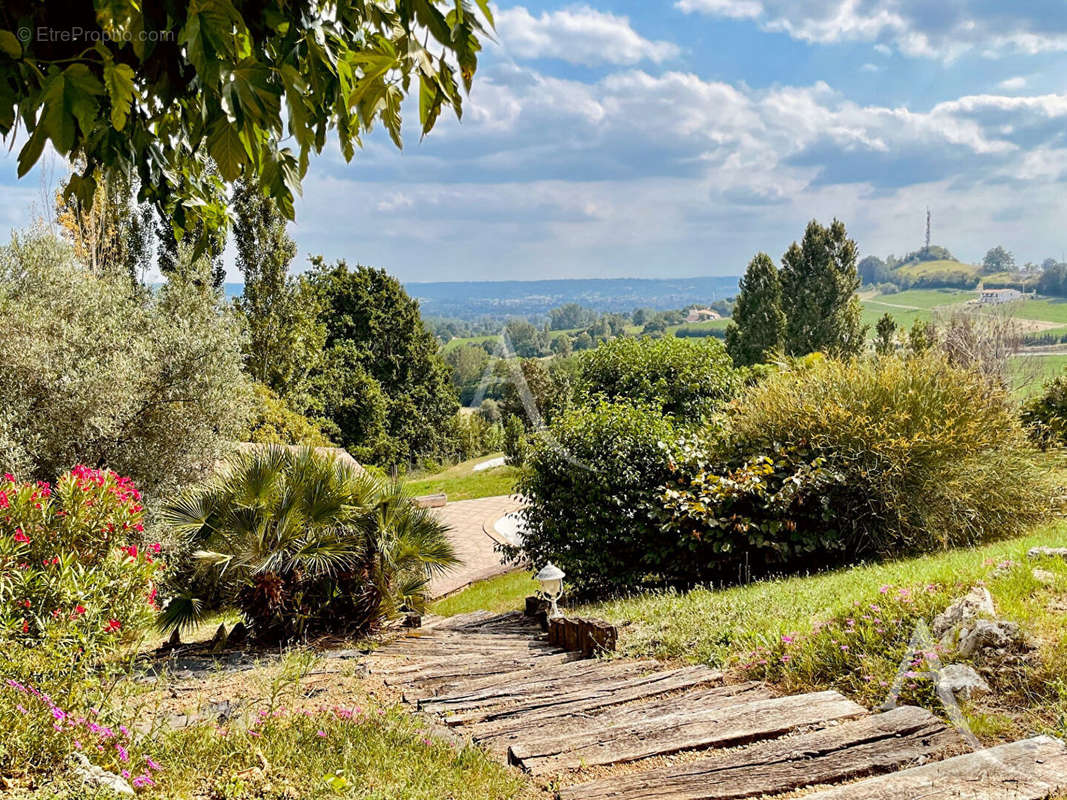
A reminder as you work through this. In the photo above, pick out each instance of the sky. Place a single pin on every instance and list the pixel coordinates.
(634, 138)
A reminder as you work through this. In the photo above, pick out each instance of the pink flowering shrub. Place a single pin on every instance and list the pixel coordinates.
(865, 652)
(73, 565)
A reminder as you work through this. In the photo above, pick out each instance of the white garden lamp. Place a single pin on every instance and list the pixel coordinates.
(551, 580)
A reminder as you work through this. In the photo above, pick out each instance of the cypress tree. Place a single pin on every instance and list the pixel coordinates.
(758, 325)
(819, 283)
(885, 343)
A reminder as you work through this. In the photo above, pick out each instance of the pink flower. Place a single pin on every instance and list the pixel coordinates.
(4, 502)
(79, 609)
(123, 755)
(884, 590)
(20, 536)
(112, 625)
(152, 764)
(320, 733)
(787, 640)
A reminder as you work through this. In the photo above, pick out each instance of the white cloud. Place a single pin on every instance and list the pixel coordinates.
(1013, 84)
(915, 27)
(580, 35)
(871, 68)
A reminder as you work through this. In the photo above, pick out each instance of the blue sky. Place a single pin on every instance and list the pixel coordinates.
(616, 138)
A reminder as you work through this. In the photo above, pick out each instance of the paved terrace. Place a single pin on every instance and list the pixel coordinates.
(469, 520)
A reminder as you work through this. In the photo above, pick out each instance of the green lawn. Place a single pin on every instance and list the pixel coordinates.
(1029, 373)
(503, 593)
(461, 482)
(1045, 309)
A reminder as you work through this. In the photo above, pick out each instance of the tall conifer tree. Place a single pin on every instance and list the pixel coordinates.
(758, 325)
(819, 283)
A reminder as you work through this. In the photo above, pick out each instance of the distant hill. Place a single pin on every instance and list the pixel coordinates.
(926, 269)
(470, 299)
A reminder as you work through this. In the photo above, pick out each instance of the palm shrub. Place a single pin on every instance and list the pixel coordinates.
(304, 543)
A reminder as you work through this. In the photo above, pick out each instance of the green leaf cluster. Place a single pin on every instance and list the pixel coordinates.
(191, 94)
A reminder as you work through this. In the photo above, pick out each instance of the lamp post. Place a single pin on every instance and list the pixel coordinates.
(551, 580)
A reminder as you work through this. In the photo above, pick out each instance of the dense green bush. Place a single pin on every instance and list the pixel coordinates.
(592, 482)
(820, 462)
(514, 441)
(305, 543)
(472, 435)
(1045, 416)
(685, 378)
(846, 459)
(94, 371)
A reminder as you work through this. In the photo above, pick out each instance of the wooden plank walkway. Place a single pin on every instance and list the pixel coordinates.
(493, 677)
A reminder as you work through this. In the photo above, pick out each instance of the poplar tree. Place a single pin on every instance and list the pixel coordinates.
(819, 283)
(758, 325)
(285, 338)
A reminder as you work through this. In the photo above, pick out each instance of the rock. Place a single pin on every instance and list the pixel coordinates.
(412, 620)
(961, 679)
(977, 603)
(95, 776)
(1048, 552)
(982, 634)
(238, 635)
(1045, 577)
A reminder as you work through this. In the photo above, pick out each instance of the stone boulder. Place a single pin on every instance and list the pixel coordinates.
(976, 604)
(985, 634)
(961, 680)
(1048, 552)
(92, 775)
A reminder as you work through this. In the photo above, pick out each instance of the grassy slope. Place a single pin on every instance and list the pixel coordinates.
(461, 482)
(742, 628)
(925, 268)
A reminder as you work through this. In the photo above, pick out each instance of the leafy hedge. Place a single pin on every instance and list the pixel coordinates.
(591, 482)
(823, 462)
(685, 378)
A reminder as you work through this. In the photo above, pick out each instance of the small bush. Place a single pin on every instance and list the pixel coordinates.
(684, 378)
(514, 441)
(274, 422)
(304, 544)
(1045, 416)
(74, 571)
(860, 458)
(473, 436)
(591, 481)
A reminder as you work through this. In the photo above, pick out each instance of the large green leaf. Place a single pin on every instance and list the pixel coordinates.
(228, 149)
(10, 45)
(119, 81)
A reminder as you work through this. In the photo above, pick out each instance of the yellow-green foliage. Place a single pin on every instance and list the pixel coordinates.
(934, 456)
(925, 269)
(274, 422)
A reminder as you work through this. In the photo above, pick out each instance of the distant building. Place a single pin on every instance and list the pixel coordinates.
(999, 295)
(701, 315)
